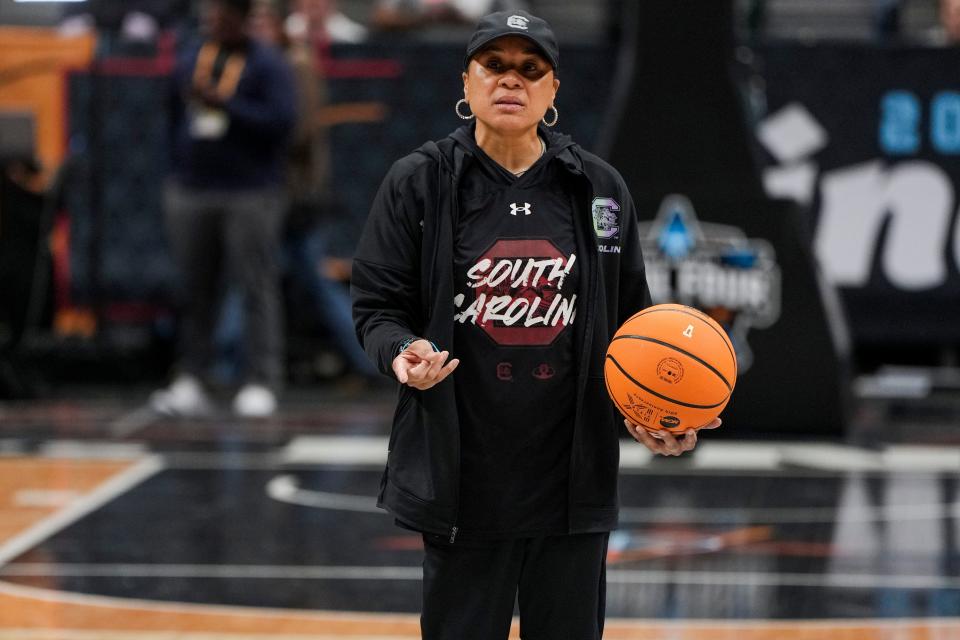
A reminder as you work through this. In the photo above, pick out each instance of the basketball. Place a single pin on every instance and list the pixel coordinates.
(670, 367)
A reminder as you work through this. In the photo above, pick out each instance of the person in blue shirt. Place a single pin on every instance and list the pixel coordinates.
(235, 108)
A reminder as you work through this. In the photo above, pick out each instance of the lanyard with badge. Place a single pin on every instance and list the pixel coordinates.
(206, 122)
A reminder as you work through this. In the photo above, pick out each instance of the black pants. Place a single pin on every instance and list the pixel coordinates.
(559, 583)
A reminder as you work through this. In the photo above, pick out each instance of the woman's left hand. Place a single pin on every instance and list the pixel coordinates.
(420, 367)
(664, 442)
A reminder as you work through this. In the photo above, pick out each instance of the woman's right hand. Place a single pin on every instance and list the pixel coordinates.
(420, 367)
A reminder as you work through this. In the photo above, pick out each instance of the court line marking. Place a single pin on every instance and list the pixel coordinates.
(710, 456)
(795, 515)
(66, 597)
(93, 450)
(75, 634)
(286, 488)
(132, 421)
(115, 486)
(651, 626)
(913, 456)
(408, 573)
(743, 459)
(44, 498)
(833, 456)
(635, 457)
(754, 579)
(336, 450)
(740, 455)
(246, 612)
(206, 571)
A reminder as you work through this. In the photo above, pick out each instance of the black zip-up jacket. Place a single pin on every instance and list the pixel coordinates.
(402, 287)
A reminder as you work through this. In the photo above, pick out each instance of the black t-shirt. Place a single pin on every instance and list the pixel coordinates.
(516, 298)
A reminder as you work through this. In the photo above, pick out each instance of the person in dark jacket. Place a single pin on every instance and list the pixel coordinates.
(515, 251)
(235, 108)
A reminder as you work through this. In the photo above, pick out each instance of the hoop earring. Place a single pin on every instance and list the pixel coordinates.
(556, 116)
(456, 108)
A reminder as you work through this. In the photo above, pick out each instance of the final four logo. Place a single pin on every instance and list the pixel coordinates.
(713, 267)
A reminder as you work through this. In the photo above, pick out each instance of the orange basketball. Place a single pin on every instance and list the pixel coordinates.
(670, 367)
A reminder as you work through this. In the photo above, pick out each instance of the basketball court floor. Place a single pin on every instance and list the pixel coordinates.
(119, 525)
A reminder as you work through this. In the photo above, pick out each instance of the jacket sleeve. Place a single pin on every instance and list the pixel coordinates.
(385, 282)
(634, 292)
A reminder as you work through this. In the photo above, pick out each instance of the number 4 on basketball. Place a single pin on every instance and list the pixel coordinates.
(688, 332)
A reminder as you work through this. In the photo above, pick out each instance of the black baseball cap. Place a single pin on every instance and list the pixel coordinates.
(514, 23)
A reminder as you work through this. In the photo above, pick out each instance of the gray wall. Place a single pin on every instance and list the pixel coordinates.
(30, 13)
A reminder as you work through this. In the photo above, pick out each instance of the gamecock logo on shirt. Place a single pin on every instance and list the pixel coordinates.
(515, 292)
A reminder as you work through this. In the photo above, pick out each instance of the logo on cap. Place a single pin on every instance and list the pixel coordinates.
(518, 22)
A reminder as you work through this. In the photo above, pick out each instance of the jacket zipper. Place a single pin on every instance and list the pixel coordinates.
(592, 262)
(454, 194)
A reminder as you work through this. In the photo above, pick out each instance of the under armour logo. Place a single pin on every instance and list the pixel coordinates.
(515, 208)
(517, 22)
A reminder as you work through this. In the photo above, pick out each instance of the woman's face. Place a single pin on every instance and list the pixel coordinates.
(509, 85)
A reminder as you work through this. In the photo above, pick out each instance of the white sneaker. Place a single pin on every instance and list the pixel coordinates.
(184, 397)
(255, 401)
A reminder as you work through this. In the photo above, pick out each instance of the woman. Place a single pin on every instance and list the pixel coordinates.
(488, 245)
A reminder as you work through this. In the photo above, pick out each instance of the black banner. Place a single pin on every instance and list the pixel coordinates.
(711, 238)
(870, 139)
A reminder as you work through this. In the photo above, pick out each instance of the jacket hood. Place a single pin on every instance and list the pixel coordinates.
(559, 145)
